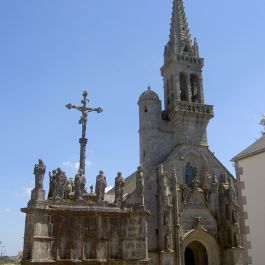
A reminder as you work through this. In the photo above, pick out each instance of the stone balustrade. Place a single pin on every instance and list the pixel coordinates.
(184, 106)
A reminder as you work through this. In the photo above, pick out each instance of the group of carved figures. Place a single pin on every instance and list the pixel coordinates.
(206, 182)
(61, 188)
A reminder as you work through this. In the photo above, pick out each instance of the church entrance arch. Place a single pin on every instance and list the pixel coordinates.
(199, 247)
(196, 254)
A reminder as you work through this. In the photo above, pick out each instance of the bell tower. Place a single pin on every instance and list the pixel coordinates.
(183, 82)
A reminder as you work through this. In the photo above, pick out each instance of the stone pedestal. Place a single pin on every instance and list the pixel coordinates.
(37, 198)
(234, 256)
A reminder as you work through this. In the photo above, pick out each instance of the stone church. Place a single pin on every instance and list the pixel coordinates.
(179, 208)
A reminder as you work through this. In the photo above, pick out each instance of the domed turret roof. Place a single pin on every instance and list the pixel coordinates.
(149, 95)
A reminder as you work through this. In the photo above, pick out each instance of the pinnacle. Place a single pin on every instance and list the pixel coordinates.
(179, 32)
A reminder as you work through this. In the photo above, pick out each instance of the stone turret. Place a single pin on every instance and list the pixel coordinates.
(150, 116)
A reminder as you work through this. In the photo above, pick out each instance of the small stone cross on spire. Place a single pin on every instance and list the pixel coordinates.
(83, 121)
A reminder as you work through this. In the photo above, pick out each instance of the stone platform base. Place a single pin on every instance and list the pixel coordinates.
(86, 262)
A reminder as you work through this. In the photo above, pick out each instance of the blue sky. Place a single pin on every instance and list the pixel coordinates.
(51, 50)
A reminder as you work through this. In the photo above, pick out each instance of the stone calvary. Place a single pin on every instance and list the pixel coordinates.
(75, 226)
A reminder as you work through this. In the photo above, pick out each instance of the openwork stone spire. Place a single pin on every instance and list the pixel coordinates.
(179, 31)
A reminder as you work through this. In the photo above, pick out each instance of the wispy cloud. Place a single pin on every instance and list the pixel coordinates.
(67, 164)
(26, 191)
(75, 165)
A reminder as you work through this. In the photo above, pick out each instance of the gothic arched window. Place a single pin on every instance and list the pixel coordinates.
(194, 82)
(189, 174)
(183, 87)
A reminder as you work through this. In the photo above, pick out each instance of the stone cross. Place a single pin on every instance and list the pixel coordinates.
(83, 121)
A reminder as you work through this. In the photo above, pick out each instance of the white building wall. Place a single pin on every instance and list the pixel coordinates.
(253, 192)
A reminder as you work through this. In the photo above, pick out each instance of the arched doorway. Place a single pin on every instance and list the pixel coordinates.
(196, 254)
(205, 249)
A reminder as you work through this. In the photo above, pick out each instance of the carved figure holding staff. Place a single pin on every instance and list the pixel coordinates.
(39, 172)
(101, 184)
(80, 183)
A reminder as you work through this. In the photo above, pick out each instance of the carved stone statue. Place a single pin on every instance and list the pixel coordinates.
(140, 184)
(60, 184)
(236, 239)
(232, 191)
(195, 174)
(101, 184)
(206, 178)
(164, 190)
(91, 189)
(195, 179)
(70, 187)
(224, 178)
(214, 178)
(80, 183)
(119, 188)
(168, 238)
(235, 218)
(39, 172)
(185, 193)
(167, 216)
(52, 184)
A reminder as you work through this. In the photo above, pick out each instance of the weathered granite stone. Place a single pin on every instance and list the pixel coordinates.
(190, 195)
(119, 189)
(79, 184)
(39, 172)
(182, 176)
(101, 184)
(70, 231)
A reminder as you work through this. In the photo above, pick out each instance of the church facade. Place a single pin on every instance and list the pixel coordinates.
(191, 196)
(180, 207)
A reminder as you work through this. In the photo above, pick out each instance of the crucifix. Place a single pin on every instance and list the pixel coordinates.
(83, 121)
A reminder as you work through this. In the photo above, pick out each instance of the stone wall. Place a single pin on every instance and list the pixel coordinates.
(84, 235)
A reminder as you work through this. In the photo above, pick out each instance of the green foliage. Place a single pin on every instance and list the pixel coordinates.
(6, 260)
(262, 122)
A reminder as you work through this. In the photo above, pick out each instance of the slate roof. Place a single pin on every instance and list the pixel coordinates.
(256, 148)
(130, 185)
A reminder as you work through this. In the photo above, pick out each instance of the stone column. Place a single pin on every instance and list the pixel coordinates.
(188, 88)
(176, 88)
(42, 240)
(200, 86)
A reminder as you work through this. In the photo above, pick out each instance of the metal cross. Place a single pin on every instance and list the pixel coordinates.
(83, 121)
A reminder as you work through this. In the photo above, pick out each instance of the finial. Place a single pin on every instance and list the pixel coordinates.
(196, 47)
(149, 88)
(179, 32)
